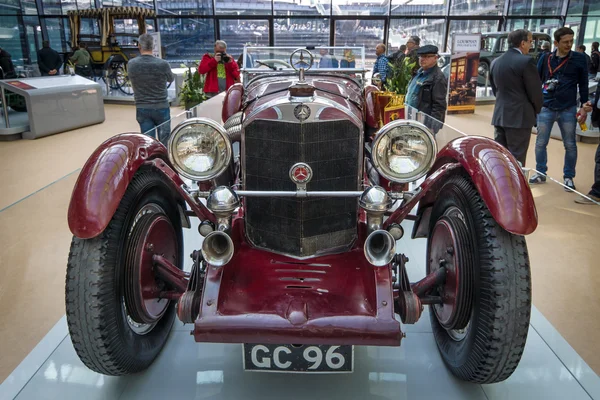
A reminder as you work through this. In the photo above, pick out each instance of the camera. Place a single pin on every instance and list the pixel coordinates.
(550, 85)
(225, 57)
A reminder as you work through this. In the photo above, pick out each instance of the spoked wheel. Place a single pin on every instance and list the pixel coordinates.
(117, 320)
(482, 325)
(110, 75)
(123, 80)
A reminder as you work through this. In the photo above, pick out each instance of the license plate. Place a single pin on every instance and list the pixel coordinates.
(298, 358)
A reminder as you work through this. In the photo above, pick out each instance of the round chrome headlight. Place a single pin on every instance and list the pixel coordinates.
(199, 149)
(403, 151)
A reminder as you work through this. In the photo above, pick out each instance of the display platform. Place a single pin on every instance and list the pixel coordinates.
(58, 103)
(18, 122)
(117, 96)
(549, 369)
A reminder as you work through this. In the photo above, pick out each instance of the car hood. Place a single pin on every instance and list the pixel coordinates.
(340, 97)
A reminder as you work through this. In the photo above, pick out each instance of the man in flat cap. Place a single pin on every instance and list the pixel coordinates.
(428, 89)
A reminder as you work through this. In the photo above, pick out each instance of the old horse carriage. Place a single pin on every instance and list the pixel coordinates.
(109, 58)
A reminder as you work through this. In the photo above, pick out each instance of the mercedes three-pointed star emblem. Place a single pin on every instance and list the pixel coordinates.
(302, 112)
(301, 173)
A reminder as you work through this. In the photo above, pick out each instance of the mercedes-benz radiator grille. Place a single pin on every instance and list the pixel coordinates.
(301, 227)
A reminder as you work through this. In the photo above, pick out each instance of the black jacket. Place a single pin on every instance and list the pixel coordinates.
(573, 75)
(432, 94)
(397, 58)
(595, 67)
(6, 64)
(588, 59)
(518, 89)
(48, 59)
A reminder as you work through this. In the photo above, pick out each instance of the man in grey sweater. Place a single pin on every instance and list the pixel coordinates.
(149, 76)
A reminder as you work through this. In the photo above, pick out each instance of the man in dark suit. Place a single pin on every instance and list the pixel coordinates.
(518, 90)
(594, 193)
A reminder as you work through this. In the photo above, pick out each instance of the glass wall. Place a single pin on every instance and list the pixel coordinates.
(243, 7)
(543, 25)
(10, 7)
(13, 38)
(419, 7)
(477, 7)
(56, 33)
(29, 7)
(189, 27)
(52, 7)
(368, 33)
(430, 31)
(584, 18)
(360, 7)
(584, 7)
(175, 8)
(290, 32)
(186, 39)
(471, 26)
(313, 7)
(536, 7)
(238, 32)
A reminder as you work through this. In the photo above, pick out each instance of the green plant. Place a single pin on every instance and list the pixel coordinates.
(192, 90)
(399, 76)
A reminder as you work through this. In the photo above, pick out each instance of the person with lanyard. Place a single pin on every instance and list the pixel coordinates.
(427, 90)
(561, 72)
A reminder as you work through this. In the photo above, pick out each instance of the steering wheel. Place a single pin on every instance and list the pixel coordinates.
(265, 65)
(301, 60)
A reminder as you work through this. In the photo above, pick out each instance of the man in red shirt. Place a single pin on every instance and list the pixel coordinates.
(220, 69)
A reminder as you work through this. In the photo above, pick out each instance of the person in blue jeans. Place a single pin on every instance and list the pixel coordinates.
(149, 77)
(561, 72)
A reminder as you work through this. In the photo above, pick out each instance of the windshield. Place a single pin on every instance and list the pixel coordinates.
(487, 44)
(325, 58)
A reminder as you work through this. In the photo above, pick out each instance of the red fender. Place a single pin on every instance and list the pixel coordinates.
(498, 179)
(233, 101)
(370, 117)
(104, 179)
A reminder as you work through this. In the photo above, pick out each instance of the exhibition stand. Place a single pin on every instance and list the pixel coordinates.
(54, 104)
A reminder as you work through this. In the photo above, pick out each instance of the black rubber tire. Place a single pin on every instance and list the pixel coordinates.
(496, 335)
(99, 330)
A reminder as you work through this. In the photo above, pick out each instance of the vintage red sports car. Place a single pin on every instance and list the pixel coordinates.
(299, 260)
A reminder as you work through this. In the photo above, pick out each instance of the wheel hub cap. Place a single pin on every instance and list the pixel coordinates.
(152, 234)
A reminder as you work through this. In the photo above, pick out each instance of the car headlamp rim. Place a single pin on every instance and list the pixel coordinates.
(384, 133)
(199, 121)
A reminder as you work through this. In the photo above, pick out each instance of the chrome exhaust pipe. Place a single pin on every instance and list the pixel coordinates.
(380, 248)
(217, 248)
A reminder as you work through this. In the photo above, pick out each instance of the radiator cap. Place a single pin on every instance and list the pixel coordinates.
(302, 89)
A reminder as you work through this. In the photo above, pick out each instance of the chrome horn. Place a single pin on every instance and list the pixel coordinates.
(380, 248)
(217, 248)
